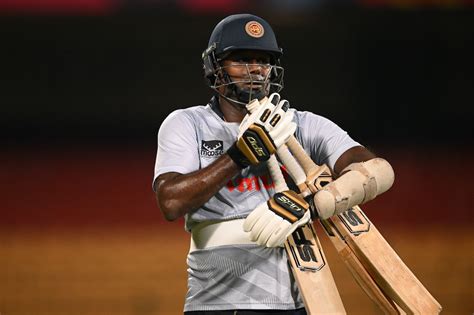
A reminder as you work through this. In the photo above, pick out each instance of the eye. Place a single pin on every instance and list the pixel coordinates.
(244, 60)
(250, 59)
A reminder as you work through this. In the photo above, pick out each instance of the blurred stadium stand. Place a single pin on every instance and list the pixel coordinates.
(388, 76)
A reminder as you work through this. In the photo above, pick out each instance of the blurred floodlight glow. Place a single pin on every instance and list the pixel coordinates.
(103, 7)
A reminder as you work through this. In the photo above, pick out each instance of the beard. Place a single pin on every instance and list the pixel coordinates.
(243, 92)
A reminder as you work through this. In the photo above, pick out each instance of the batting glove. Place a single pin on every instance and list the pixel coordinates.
(262, 132)
(272, 222)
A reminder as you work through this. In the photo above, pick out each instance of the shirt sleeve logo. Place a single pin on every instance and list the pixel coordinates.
(212, 148)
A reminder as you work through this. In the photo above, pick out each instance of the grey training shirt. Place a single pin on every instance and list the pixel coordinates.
(237, 276)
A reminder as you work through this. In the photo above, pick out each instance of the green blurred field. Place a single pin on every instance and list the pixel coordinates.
(126, 271)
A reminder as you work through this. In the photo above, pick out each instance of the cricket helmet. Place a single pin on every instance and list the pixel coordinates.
(242, 32)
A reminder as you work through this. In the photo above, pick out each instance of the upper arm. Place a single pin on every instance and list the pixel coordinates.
(325, 140)
(177, 150)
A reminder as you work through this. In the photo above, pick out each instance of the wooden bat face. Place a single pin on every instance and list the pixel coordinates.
(311, 271)
(304, 249)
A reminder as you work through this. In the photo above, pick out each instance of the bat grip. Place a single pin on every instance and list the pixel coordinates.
(276, 174)
(294, 169)
(301, 156)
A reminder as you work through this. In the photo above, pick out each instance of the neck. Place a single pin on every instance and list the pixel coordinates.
(232, 112)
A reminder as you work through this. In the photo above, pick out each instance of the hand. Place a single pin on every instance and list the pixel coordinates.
(262, 132)
(272, 222)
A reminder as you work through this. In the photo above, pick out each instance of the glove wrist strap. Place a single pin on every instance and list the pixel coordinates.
(238, 157)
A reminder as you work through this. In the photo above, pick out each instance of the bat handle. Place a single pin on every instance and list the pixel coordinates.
(294, 169)
(301, 156)
(276, 174)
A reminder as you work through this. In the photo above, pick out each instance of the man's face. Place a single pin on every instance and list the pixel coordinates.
(248, 69)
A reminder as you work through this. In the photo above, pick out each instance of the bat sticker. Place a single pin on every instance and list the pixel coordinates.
(355, 221)
(307, 255)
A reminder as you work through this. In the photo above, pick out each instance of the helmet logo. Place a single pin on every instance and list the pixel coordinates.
(254, 29)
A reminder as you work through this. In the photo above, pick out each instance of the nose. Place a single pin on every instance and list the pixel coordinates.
(255, 66)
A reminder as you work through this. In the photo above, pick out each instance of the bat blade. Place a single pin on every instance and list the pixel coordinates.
(312, 272)
(384, 265)
(358, 271)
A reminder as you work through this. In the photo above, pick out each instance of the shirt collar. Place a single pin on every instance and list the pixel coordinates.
(214, 103)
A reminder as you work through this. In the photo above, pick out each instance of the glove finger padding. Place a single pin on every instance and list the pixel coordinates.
(271, 227)
(271, 223)
(279, 237)
(250, 119)
(257, 115)
(283, 131)
(260, 225)
(253, 217)
(277, 113)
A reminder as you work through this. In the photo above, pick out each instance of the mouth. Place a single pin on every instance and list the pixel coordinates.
(253, 87)
(254, 84)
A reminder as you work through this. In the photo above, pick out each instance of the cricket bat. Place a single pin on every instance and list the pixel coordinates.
(308, 262)
(351, 261)
(394, 279)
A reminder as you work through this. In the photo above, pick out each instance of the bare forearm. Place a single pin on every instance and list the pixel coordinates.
(177, 194)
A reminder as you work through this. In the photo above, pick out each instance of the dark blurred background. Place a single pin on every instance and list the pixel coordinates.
(85, 85)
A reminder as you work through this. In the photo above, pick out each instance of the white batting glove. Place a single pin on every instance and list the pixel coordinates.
(263, 132)
(275, 104)
(272, 222)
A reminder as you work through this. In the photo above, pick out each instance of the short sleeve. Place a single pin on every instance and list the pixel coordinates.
(324, 140)
(177, 145)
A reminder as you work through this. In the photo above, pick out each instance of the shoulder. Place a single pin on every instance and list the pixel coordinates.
(187, 112)
(316, 127)
(187, 115)
(307, 119)
(308, 115)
